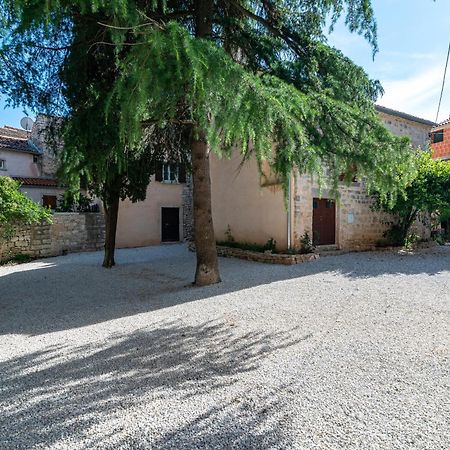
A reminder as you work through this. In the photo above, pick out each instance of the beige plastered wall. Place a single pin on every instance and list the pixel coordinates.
(37, 192)
(254, 213)
(139, 223)
(19, 164)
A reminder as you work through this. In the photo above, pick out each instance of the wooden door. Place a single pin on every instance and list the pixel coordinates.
(170, 224)
(324, 221)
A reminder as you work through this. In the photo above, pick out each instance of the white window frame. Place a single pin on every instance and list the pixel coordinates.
(2, 164)
(170, 169)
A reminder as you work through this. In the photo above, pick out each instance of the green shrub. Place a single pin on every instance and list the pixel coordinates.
(253, 247)
(16, 207)
(18, 258)
(306, 244)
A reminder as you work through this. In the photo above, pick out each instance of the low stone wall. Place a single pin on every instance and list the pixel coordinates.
(69, 232)
(266, 257)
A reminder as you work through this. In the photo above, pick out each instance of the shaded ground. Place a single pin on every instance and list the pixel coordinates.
(346, 352)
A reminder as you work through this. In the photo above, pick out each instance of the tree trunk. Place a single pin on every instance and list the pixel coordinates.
(407, 223)
(207, 271)
(111, 215)
(207, 264)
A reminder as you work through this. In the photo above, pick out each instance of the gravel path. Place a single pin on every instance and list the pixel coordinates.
(348, 352)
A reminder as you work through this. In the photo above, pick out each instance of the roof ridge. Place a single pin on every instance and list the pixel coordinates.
(13, 137)
(407, 116)
(444, 122)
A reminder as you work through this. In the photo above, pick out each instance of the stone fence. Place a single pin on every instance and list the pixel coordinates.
(69, 232)
(266, 257)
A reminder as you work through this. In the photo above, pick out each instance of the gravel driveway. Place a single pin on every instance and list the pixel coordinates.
(348, 352)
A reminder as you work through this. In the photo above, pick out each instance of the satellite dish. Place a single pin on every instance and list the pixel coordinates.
(26, 123)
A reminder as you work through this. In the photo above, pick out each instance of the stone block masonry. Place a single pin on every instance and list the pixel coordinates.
(69, 232)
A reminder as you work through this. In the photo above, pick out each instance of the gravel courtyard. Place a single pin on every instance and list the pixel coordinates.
(348, 352)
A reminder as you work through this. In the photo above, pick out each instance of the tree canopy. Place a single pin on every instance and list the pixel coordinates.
(257, 76)
(266, 74)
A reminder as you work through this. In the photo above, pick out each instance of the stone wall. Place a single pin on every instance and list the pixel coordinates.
(418, 132)
(188, 210)
(268, 258)
(358, 226)
(41, 137)
(69, 232)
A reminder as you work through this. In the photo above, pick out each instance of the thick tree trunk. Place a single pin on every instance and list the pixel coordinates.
(207, 264)
(111, 215)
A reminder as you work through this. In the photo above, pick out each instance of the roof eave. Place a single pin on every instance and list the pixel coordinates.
(402, 115)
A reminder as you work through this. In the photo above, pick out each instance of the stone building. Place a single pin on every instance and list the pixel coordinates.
(253, 210)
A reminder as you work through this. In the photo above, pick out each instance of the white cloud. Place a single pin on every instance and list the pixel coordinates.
(417, 95)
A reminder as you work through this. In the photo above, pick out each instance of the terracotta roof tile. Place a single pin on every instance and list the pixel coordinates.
(25, 181)
(9, 131)
(18, 144)
(441, 124)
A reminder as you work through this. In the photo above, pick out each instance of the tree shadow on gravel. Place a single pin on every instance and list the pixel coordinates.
(74, 291)
(47, 397)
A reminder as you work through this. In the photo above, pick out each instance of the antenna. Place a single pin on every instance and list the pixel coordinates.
(26, 123)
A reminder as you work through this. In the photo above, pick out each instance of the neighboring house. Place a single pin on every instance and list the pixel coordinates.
(164, 216)
(440, 140)
(253, 208)
(25, 157)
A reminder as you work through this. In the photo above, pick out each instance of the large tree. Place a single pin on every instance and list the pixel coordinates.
(257, 76)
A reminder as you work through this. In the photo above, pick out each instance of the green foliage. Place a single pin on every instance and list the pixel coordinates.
(270, 245)
(18, 258)
(68, 202)
(266, 76)
(428, 192)
(16, 207)
(306, 243)
(411, 240)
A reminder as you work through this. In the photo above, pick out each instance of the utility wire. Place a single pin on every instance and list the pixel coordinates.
(443, 84)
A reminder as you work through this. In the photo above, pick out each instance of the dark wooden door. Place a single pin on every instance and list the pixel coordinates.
(170, 223)
(324, 221)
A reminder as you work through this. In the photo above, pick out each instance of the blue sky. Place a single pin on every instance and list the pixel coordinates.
(413, 37)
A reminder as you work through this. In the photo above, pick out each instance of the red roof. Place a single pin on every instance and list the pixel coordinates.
(441, 124)
(13, 132)
(49, 182)
(17, 140)
(14, 144)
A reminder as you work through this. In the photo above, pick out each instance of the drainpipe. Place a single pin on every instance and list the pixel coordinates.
(289, 215)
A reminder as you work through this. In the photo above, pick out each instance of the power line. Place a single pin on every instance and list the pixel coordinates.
(443, 84)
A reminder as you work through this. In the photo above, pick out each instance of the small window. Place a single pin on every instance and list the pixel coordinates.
(170, 173)
(2, 164)
(437, 136)
(315, 204)
(35, 159)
